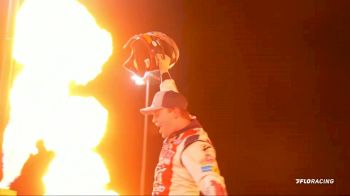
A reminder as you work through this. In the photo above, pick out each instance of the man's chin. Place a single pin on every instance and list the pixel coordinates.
(163, 135)
(162, 132)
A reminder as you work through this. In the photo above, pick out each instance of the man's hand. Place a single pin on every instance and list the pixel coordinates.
(163, 62)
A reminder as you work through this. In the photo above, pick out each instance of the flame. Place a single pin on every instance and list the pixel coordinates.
(57, 42)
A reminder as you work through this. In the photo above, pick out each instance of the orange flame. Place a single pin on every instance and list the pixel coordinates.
(58, 42)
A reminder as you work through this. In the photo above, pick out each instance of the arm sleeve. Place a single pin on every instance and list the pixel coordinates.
(199, 158)
(168, 85)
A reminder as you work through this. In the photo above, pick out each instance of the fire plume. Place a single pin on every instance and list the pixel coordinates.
(57, 42)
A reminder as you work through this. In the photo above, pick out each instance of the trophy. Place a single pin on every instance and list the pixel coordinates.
(144, 48)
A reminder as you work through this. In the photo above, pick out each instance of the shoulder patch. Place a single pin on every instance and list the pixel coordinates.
(190, 140)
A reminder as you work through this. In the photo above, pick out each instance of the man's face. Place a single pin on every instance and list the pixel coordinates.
(163, 118)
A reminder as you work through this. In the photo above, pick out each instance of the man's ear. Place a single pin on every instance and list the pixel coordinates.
(177, 112)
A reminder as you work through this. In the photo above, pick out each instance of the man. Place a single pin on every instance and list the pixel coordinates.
(187, 162)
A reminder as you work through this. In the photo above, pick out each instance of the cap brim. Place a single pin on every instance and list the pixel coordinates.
(149, 110)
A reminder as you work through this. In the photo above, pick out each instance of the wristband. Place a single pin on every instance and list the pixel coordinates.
(165, 76)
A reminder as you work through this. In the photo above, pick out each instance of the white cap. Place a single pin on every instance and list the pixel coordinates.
(166, 99)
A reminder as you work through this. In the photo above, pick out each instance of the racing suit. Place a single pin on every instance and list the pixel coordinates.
(187, 162)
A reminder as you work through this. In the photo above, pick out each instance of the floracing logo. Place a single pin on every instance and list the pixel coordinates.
(314, 181)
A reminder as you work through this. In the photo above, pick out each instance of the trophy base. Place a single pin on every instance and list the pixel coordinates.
(7, 192)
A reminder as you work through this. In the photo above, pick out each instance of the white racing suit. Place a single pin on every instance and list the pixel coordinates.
(187, 162)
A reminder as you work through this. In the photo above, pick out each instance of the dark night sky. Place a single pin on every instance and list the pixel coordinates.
(269, 81)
